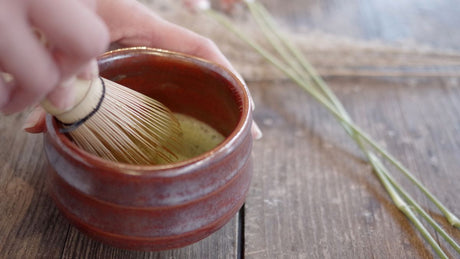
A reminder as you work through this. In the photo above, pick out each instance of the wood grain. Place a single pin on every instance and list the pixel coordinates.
(32, 227)
(429, 23)
(313, 195)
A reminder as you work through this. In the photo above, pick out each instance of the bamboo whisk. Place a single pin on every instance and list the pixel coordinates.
(119, 124)
(116, 122)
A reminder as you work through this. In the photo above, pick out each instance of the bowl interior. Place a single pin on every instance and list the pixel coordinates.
(184, 84)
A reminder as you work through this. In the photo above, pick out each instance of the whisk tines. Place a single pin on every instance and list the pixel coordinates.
(129, 127)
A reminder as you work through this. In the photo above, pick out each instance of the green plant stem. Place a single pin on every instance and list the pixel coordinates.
(382, 173)
(336, 108)
(291, 55)
(278, 64)
(300, 58)
(260, 12)
(269, 30)
(422, 212)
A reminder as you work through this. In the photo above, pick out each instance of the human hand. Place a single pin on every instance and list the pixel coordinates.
(74, 34)
(141, 27)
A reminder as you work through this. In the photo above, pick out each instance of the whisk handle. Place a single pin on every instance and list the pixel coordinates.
(88, 94)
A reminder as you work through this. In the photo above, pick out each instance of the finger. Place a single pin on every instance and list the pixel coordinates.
(27, 60)
(4, 93)
(89, 71)
(6, 82)
(35, 121)
(63, 96)
(75, 32)
(91, 4)
(255, 131)
(183, 40)
(147, 29)
(176, 38)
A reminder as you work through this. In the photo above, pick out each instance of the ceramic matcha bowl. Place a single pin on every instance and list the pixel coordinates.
(157, 207)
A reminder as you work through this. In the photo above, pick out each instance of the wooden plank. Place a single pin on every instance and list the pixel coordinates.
(409, 22)
(313, 195)
(222, 244)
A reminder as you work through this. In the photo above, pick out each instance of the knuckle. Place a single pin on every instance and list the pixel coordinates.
(204, 46)
(43, 80)
(95, 44)
(207, 43)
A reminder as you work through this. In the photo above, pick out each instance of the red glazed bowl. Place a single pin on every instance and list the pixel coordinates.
(159, 207)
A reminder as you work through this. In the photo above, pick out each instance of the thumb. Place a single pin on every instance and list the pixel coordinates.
(63, 97)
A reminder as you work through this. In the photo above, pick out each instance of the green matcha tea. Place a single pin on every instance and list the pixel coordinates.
(197, 137)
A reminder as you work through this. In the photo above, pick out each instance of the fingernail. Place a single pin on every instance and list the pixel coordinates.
(8, 78)
(32, 119)
(90, 71)
(256, 132)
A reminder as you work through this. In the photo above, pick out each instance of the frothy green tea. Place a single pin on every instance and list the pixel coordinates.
(198, 137)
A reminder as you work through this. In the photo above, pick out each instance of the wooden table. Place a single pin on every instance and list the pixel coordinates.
(393, 64)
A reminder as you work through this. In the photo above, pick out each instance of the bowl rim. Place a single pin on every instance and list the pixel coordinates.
(74, 153)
